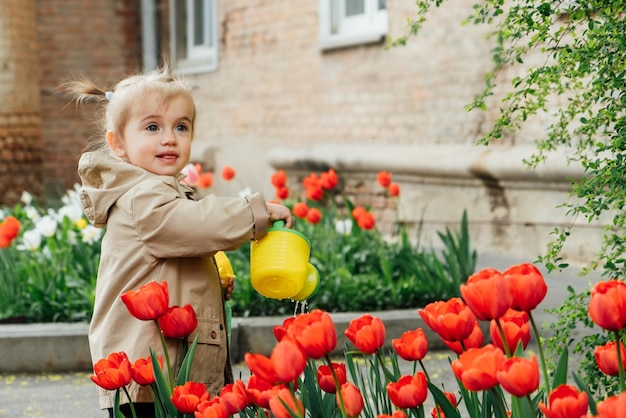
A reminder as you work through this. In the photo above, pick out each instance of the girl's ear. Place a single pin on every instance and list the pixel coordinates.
(115, 144)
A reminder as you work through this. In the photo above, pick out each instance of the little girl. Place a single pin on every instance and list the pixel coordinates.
(155, 229)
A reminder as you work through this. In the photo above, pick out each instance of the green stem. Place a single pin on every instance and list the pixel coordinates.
(505, 342)
(618, 345)
(499, 401)
(166, 354)
(342, 406)
(388, 375)
(542, 358)
(532, 407)
(132, 407)
(424, 369)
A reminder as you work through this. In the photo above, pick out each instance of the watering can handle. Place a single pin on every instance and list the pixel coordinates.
(279, 224)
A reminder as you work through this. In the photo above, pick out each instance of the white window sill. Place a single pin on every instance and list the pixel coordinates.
(341, 41)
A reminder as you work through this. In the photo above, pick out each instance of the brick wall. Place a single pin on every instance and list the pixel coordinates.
(20, 143)
(95, 39)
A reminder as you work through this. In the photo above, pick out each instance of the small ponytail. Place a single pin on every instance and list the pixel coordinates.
(84, 90)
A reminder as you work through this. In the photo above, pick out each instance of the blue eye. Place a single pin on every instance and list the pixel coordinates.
(152, 128)
(181, 127)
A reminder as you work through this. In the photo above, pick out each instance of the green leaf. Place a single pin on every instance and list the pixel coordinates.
(560, 374)
(185, 367)
(440, 399)
(582, 386)
(163, 391)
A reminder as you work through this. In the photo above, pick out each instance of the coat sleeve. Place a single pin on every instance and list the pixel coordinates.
(172, 226)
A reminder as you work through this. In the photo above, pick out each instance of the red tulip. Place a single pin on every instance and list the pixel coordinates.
(9, 230)
(325, 377)
(516, 328)
(279, 179)
(211, 408)
(396, 414)
(314, 215)
(313, 187)
(408, 391)
(352, 399)
(228, 173)
(142, 371)
(606, 358)
(394, 190)
(613, 407)
(315, 333)
(234, 397)
(476, 368)
(412, 345)
(300, 210)
(528, 288)
(519, 376)
(367, 333)
(282, 193)
(437, 412)
(607, 307)
(565, 401)
(259, 391)
(113, 372)
(149, 302)
(283, 396)
(285, 364)
(358, 211)
(281, 330)
(384, 178)
(205, 180)
(178, 322)
(366, 221)
(475, 340)
(452, 320)
(487, 293)
(187, 397)
(329, 179)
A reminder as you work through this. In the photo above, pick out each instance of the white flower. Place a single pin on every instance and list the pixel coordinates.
(31, 240)
(73, 212)
(46, 226)
(91, 234)
(32, 213)
(27, 198)
(72, 237)
(343, 226)
(245, 192)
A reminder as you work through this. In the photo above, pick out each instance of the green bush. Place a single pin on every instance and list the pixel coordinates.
(362, 271)
(49, 272)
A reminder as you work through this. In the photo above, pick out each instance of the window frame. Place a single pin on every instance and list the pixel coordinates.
(370, 27)
(194, 58)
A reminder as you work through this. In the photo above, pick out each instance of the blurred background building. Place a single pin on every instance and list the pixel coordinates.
(301, 85)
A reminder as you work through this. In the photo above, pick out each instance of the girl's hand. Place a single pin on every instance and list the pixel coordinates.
(228, 284)
(279, 212)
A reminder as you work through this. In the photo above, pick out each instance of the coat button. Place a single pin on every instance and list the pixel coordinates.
(213, 334)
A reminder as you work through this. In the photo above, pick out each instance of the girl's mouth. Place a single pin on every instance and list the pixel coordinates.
(170, 157)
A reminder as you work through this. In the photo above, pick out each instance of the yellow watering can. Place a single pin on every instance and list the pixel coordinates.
(279, 264)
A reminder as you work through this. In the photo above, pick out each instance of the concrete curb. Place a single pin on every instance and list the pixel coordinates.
(63, 347)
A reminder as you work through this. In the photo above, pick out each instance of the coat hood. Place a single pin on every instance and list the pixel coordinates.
(105, 178)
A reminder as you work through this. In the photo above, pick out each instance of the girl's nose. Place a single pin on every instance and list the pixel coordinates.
(168, 138)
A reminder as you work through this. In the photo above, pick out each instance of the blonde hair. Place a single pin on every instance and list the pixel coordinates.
(116, 105)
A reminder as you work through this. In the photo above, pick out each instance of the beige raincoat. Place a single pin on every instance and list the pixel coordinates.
(157, 231)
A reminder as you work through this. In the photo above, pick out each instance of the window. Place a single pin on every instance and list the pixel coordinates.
(193, 35)
(352, 22)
